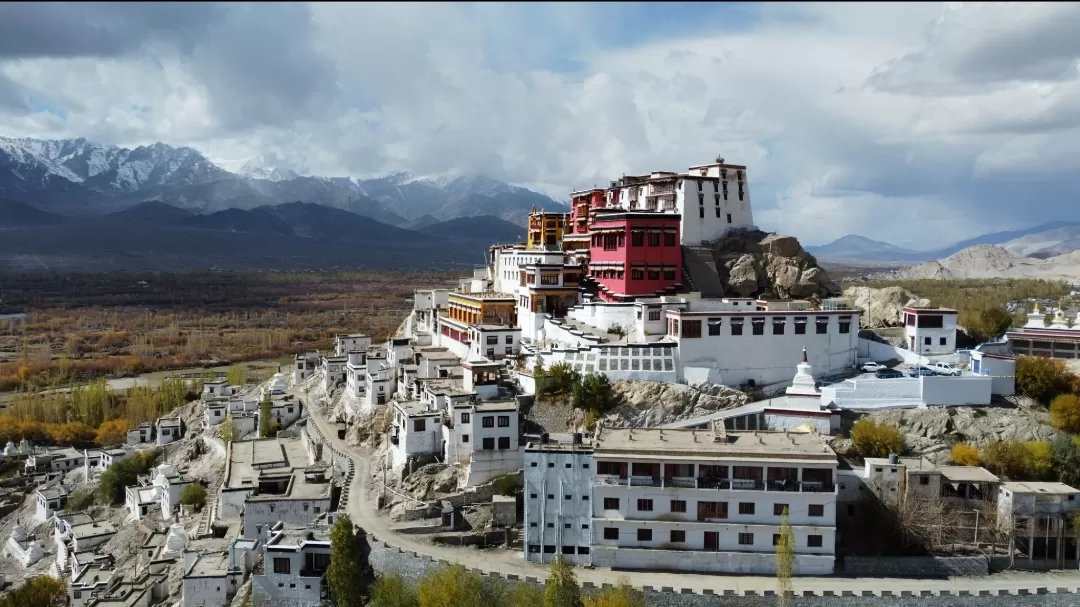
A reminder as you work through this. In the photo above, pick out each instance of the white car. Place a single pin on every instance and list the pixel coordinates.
(872, 367)
(944, 369)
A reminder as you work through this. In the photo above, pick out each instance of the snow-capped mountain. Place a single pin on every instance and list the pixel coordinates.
(66, 174)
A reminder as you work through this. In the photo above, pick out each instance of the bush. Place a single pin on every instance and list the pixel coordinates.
(451, 586)
(390, 590)
(112, 432)
(193, 496)
(79, 500)
(1019, 461)
(871, 439)
(990, 323)
(40, 591)
(1065, 453)
(559, 379)
(507, 484)
(1042, 378)
(1065, 412)
(122, 474)
(964, 454)
(593, 392)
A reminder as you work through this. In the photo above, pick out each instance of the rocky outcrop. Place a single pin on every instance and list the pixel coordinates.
(882, 307)
(431, 481)
(755, 263)
(645, 404)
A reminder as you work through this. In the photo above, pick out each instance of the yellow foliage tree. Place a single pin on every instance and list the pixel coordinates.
(623, 595)
(964, 454)
(76, 434)
(1065, 412)
(451, 586)
(871, 439)
(112, 432)
(1040, 461)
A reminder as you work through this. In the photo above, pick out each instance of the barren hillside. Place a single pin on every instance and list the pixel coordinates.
(991, 261)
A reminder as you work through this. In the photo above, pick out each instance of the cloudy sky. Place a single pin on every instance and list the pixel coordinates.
(918, 124)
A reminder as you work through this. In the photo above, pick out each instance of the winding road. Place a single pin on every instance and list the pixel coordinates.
(364, 513)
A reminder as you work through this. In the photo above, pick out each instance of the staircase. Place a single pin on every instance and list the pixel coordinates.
(206, 519)
(700, 273)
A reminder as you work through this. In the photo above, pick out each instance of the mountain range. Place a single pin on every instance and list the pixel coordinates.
(289, 236)
(1041, 241)
(73, 177)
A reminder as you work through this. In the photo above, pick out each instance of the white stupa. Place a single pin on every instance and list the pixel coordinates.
(24, 447)
(1036, 319)
(1060, 322)
(19, 533)
(177, 540)
(10, 449)
(164, 471)
(803, 385)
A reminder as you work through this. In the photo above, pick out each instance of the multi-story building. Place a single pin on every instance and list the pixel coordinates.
(1059, 339)
(635, 254)
(467, 309)
(683, 500)
(582, 206)
(343, 344)
(305, 365)
(546, 229)
(930, 331)
(1038, 516)
(169, 429)
(295, 561)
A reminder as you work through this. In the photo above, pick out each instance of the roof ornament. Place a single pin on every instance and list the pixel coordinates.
(719, 159)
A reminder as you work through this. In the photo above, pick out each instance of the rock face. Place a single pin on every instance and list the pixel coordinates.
(882, 307)
(754, 263)
(651, 403)
(428, 482)
(932, 432)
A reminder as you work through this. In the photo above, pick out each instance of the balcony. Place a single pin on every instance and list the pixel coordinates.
(721, 484)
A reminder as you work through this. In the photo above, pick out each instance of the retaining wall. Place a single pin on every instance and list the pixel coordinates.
(412, 567)
(916, 566)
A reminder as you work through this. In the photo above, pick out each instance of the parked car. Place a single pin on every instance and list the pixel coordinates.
(872, 367)
(886, 373)
(944, 369)
(920, 371)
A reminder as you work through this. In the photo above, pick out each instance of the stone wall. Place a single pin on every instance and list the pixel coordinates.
(412, 567)
(916, 566)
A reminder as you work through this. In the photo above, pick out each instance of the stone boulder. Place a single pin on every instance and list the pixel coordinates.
(882, 307)
(430, 481)
(647, 404)
(754, 264)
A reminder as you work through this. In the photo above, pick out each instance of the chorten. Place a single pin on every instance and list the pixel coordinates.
(10, 449)
(1036, 319)
(803, 385)
(177, 540)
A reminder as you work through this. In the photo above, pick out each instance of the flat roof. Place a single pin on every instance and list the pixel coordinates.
(292, 535)
(930, 310)
(968, 474)
(100, 572)
(53, 492)
(75, 518)
(1043, 488)
(415, 408)
(497, 328)
(911, 463)
(94, 529)
(485, 295)
(506, 405)
(248, 460)
(650, 443)
(209, 565)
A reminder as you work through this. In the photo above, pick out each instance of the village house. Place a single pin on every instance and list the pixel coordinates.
(270, 480)
(295, 561)
(53, 460)
(145, 432)
(169, 430)
(96, 461)
(210, 579)
(218, 388)
(416, 431)
(1038, 514)
(160, 492)
(48, 502)
(930, 331)
(305, 365)
(356, 342)
(334, 370)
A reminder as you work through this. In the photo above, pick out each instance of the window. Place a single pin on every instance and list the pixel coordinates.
(678, 536)
(504, 442)
(492, 340)
(509, 339)
(568, 549)
(714, 326)
(822, 325)
(736, 328)
(584, 498)
(816, 510)
(845, 326)
(585, 466)
(746, 539)
(282, 565)
(669, 239)
(551, 525)
(800, 325)
(813, 541)
(532, 496)
(551, 496)
(718, 210)
(568, 464)
(644, 535)
(924, 480)
(585, 526)
(420, 425)
(533, 464)
(691, 328)
(654, 274)
(489, 444)
(509, 350)
(678, 505)
(611, 503)
(942, 341)
(504, 421)
(654, 239)
(637, 238)
(488, 421)
(654, 314)
(778, 328)
(490, 353)
(776, 539)
(778, 509)
(746, 507)
(644, 505)
(464, 418)
(669, 273)
(637, 274)
(759, 327)
(729, 214)
(611, 533)
(701, 209)
(927, 341)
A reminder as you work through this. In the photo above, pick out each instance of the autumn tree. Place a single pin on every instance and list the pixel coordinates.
(79, 500)
(39, 591)
(237, 376)
(991, 323)
(122, 474)
(1065, 412)
(193, 496)
(228, 431)
(346, 565)
(112, 432)
(1065, 454)
(622, 595)
(391, 590)
(1042, 378)
(562, 588)
(964, 454)
(264, 416)
(871, 439)
(785, 559)
(75, 434)
(1019, 461)
(451, 586)
(522, 594)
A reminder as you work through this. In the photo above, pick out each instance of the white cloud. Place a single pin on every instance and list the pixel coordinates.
(896, 121)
